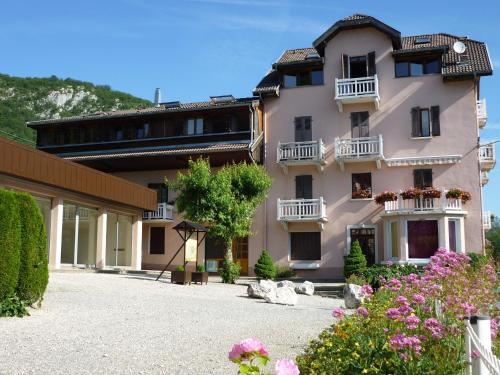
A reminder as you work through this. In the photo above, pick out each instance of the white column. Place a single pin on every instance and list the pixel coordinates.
(136, 262)
(443, 237)
(403, 240)
(482, 328)
(56, 224)
(102, 226)
(461, 226)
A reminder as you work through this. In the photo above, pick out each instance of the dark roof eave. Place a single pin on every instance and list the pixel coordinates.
(63, 121)
(417, 51)
(468, 74)
(277, 66)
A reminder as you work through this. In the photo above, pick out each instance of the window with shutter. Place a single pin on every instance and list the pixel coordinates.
(359, 124)
(305, 246)
(303, 131)
(415, 122)
(372, 69)
(345, 66)
(422, 178)
(303, 187)
(157, 240)
(436, 126)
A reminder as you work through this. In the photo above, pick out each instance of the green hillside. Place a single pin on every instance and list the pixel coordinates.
(26, 99)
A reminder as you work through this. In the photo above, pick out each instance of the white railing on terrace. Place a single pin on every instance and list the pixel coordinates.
(424, 204)
(486, 220)
(164, 212)
(302, 209)
(359, 148)
(69, 213)
(482, 114)
(301, 151)
(348, 88)
(487, 156)
(478, 354)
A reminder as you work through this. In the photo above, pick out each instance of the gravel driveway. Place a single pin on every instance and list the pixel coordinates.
(98, 323)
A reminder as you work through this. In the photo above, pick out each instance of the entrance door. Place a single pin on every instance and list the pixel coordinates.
(215, 251)
(240, 253)
(119, 240)
(366, 239)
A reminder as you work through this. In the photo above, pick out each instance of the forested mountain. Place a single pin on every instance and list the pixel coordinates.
(26, 99)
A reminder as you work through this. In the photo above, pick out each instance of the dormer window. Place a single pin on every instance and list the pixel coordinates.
(418, 66)
(303, 78)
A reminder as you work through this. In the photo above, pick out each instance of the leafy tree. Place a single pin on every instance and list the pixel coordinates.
(224, 201)
(355, 262)
(493, 235)
(265, 268)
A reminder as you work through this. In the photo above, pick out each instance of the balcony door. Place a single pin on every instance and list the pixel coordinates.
(359, 124)
(303, 131)
(303, 187)
(358, 66)
(161, 191)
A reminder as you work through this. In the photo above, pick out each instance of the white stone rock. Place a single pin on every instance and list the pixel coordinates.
(306, 287)
(286, 283)
(283, 296)
(260, 290)
(352, 296)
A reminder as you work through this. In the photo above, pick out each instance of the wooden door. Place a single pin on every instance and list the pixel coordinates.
(240, 253)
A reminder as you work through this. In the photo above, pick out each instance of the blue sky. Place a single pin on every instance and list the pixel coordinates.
(196, 48)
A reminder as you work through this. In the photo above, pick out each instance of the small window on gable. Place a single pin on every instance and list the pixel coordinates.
(306, 77)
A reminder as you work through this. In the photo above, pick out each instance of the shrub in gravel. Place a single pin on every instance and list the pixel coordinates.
(355, 262)
(10, 243)
(33, 270)
(12, 305)
(230, 271)
(265, 268)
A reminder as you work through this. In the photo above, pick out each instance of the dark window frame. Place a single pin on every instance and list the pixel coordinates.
(297, 74)
(365, 186)
(310, 252)
(434, 122)
(424, 61)
(423, 178)
(157, 250)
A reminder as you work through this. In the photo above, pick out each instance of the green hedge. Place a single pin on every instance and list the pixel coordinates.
(10, 243)
(33, 271)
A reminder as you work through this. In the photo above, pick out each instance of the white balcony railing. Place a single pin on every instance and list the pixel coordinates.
(421, 204)
(69, 213)
(301, 153)
(312, 210)
(359, 149)
(356, 90)
(486, 220)
(487, 157)
(482, 114)
(164, 212)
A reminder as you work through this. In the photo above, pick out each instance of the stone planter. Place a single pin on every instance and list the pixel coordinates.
(180, 277)
(199, 277)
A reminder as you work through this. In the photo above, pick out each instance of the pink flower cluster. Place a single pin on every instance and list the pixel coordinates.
(286, 367)
(362, 311)
(338, 313)
(434, 327)
(246, 349)
(366, 290)
(403, 342)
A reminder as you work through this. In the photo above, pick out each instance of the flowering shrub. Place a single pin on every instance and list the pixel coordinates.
(386, 196)
(411, 325)
(250, 354)
(378, 274)
(361, 194)
(431, 193)
(411, 193)
(456, 193)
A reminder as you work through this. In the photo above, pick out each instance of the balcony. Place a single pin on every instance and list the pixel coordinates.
(424, 205)
(482, 114)
(301, 153)
(359, 150)
(485, 178)
(486, 220)
(165, 212)
(356, 90)
(487, 157)
(302, 210)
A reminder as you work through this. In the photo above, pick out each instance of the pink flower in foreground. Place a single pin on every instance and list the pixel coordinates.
(435, 328)
(338, 313)
(392, 313)
(366, 290)
(412, 322)
(394, 284)
(286, 366)
(494, 328)
(475, 354)
(402, 300)
(362, 311)
(418, 299)
(246, 348)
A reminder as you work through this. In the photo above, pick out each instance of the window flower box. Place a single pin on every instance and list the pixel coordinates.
(456, 193)
(361, 194)
(386, 196)
(431, 193)
(411, 193)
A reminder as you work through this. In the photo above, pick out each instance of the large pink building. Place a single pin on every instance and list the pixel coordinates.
(362, 111)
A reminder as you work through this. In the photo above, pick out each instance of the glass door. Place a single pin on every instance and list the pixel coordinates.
(119, 240)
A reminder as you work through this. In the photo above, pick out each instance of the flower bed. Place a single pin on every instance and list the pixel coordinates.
(412, 325)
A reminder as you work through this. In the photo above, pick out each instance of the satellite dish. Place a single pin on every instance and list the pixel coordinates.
(459, 47)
